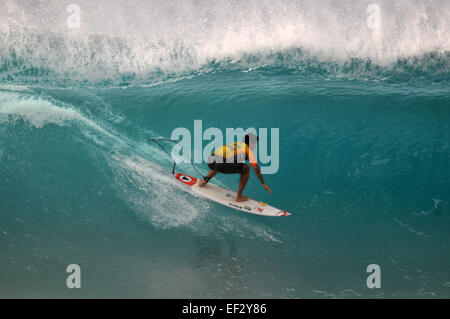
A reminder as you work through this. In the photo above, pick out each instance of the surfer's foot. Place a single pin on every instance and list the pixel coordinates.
(241, 198)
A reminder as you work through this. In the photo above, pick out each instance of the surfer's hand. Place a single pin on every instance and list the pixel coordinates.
(267, 188)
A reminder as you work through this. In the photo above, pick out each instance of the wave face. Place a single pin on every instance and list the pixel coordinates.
(364, 123)
(144, 42)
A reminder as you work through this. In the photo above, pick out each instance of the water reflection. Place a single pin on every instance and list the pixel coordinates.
(220, 258)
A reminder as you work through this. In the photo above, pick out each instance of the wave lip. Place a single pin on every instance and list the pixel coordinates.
(34, 110)
(146, 41)
(103, 61)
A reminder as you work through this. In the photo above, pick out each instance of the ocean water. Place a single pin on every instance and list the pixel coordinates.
(364, 129)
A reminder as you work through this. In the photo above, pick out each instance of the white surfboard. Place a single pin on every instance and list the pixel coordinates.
(227, 197)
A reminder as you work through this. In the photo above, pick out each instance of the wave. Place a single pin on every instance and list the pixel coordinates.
(146, 41)
(53, 59)
(137, 172)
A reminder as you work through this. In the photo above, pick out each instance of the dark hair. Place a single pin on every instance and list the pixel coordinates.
(248, 136)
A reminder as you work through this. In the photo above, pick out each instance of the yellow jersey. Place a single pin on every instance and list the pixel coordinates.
(237, 152)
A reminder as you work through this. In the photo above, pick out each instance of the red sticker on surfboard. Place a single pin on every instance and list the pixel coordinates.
(188, 180)
(282, 213)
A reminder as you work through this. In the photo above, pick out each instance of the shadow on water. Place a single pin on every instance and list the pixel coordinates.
(220, 259)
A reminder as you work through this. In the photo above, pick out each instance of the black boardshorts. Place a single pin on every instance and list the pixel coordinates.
(227, 168)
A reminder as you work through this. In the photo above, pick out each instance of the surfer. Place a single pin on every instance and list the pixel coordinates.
(230, 158)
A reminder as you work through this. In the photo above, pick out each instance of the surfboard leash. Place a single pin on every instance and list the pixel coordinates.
(155, 140)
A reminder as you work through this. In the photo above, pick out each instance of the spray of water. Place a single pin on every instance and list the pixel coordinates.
(140, 41)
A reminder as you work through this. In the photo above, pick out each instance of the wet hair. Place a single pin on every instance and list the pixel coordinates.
(250, 136)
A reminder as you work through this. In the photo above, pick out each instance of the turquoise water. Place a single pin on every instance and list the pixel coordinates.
(364, 124)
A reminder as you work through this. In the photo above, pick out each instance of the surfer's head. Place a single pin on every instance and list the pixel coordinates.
(251, 139)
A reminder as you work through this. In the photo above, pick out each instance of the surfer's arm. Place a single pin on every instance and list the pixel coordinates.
(258, 172)
(254, 163)
(260, 177)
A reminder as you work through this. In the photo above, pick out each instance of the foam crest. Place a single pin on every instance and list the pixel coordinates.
(142, 40)
(34, 110)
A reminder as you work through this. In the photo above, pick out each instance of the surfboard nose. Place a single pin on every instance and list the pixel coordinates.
(283, 213)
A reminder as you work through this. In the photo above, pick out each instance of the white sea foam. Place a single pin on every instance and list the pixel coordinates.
(133, 39)
(156, 196)
(153, 194)
(37, 111)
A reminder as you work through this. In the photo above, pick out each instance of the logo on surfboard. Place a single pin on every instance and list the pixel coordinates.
(188, 180)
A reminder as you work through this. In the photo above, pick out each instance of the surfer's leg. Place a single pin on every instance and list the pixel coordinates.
(245, 174)
(210, 175)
